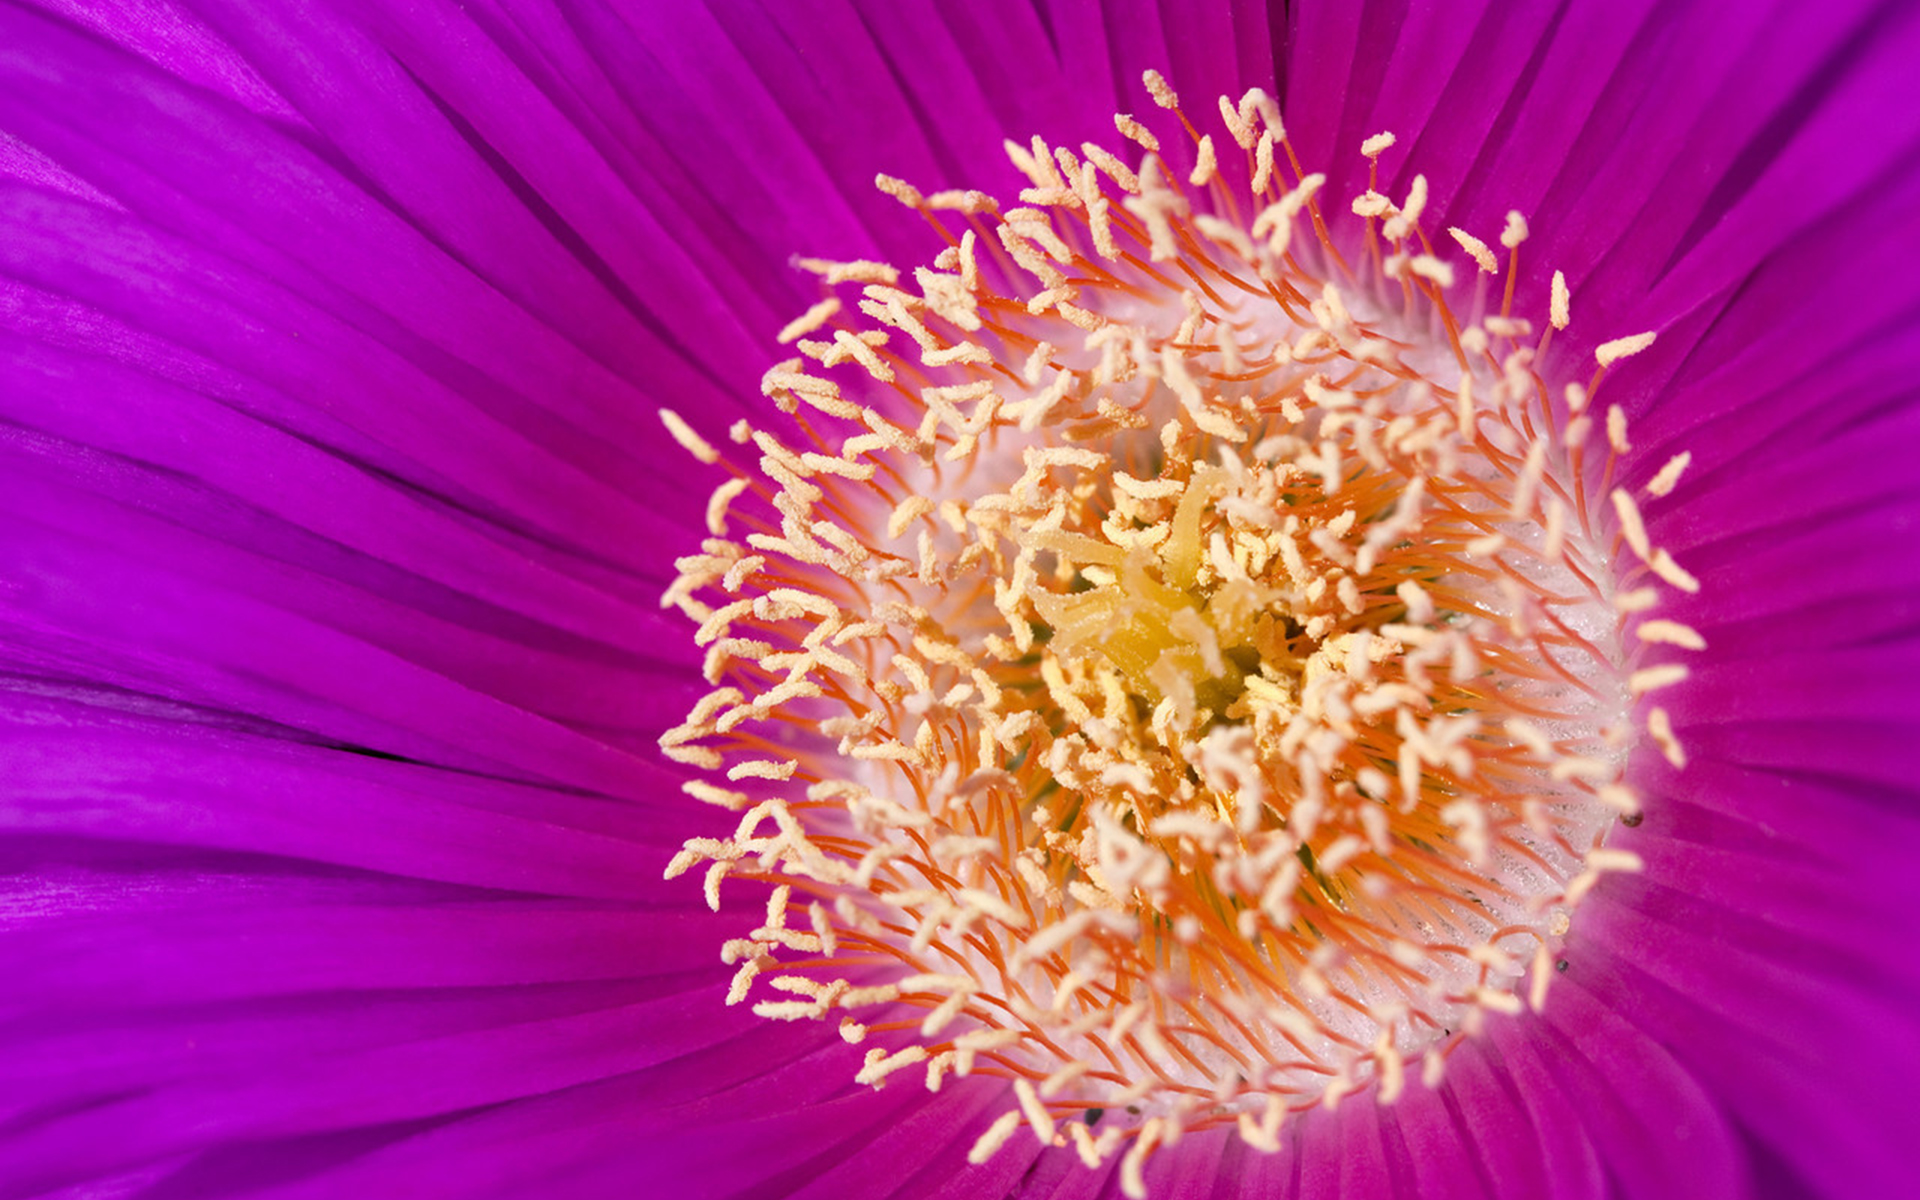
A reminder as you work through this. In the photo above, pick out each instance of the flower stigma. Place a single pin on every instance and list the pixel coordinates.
(1176, 652)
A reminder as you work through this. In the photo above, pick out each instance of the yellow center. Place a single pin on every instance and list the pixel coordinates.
(1163, 661)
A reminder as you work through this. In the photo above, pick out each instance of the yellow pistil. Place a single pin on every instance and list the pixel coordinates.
(1169, 663)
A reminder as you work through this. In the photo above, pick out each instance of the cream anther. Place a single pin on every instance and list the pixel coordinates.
(1608, 353)
(1669, 476)
(689, 441)
(900, 190)
(1660, 727)
(1477, 249)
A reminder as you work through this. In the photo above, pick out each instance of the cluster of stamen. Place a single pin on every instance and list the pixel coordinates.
(1162, 661)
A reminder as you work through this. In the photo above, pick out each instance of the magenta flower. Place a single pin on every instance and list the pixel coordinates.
(337, 514)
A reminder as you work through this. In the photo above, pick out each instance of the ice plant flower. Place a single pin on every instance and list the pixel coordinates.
(338, 512)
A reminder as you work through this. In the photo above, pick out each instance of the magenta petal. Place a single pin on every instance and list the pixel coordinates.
(407, 1081)
(1570, 1153)
(1192, 1166)
(940, 1129)
(1505, 1146)
(200, 795)
(1434, 1151)
(1755, 1024)
(1654, 1123)
(1062, 1176)
(941, 1169)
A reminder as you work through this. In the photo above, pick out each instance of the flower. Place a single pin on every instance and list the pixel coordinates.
(337, 514)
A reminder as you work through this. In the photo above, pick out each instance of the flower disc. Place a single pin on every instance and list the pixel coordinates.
(1170, 656)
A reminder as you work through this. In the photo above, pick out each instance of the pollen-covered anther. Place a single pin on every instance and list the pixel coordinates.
(1172, 659)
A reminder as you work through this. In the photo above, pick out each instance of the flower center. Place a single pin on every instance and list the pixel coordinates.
(1171, 663)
